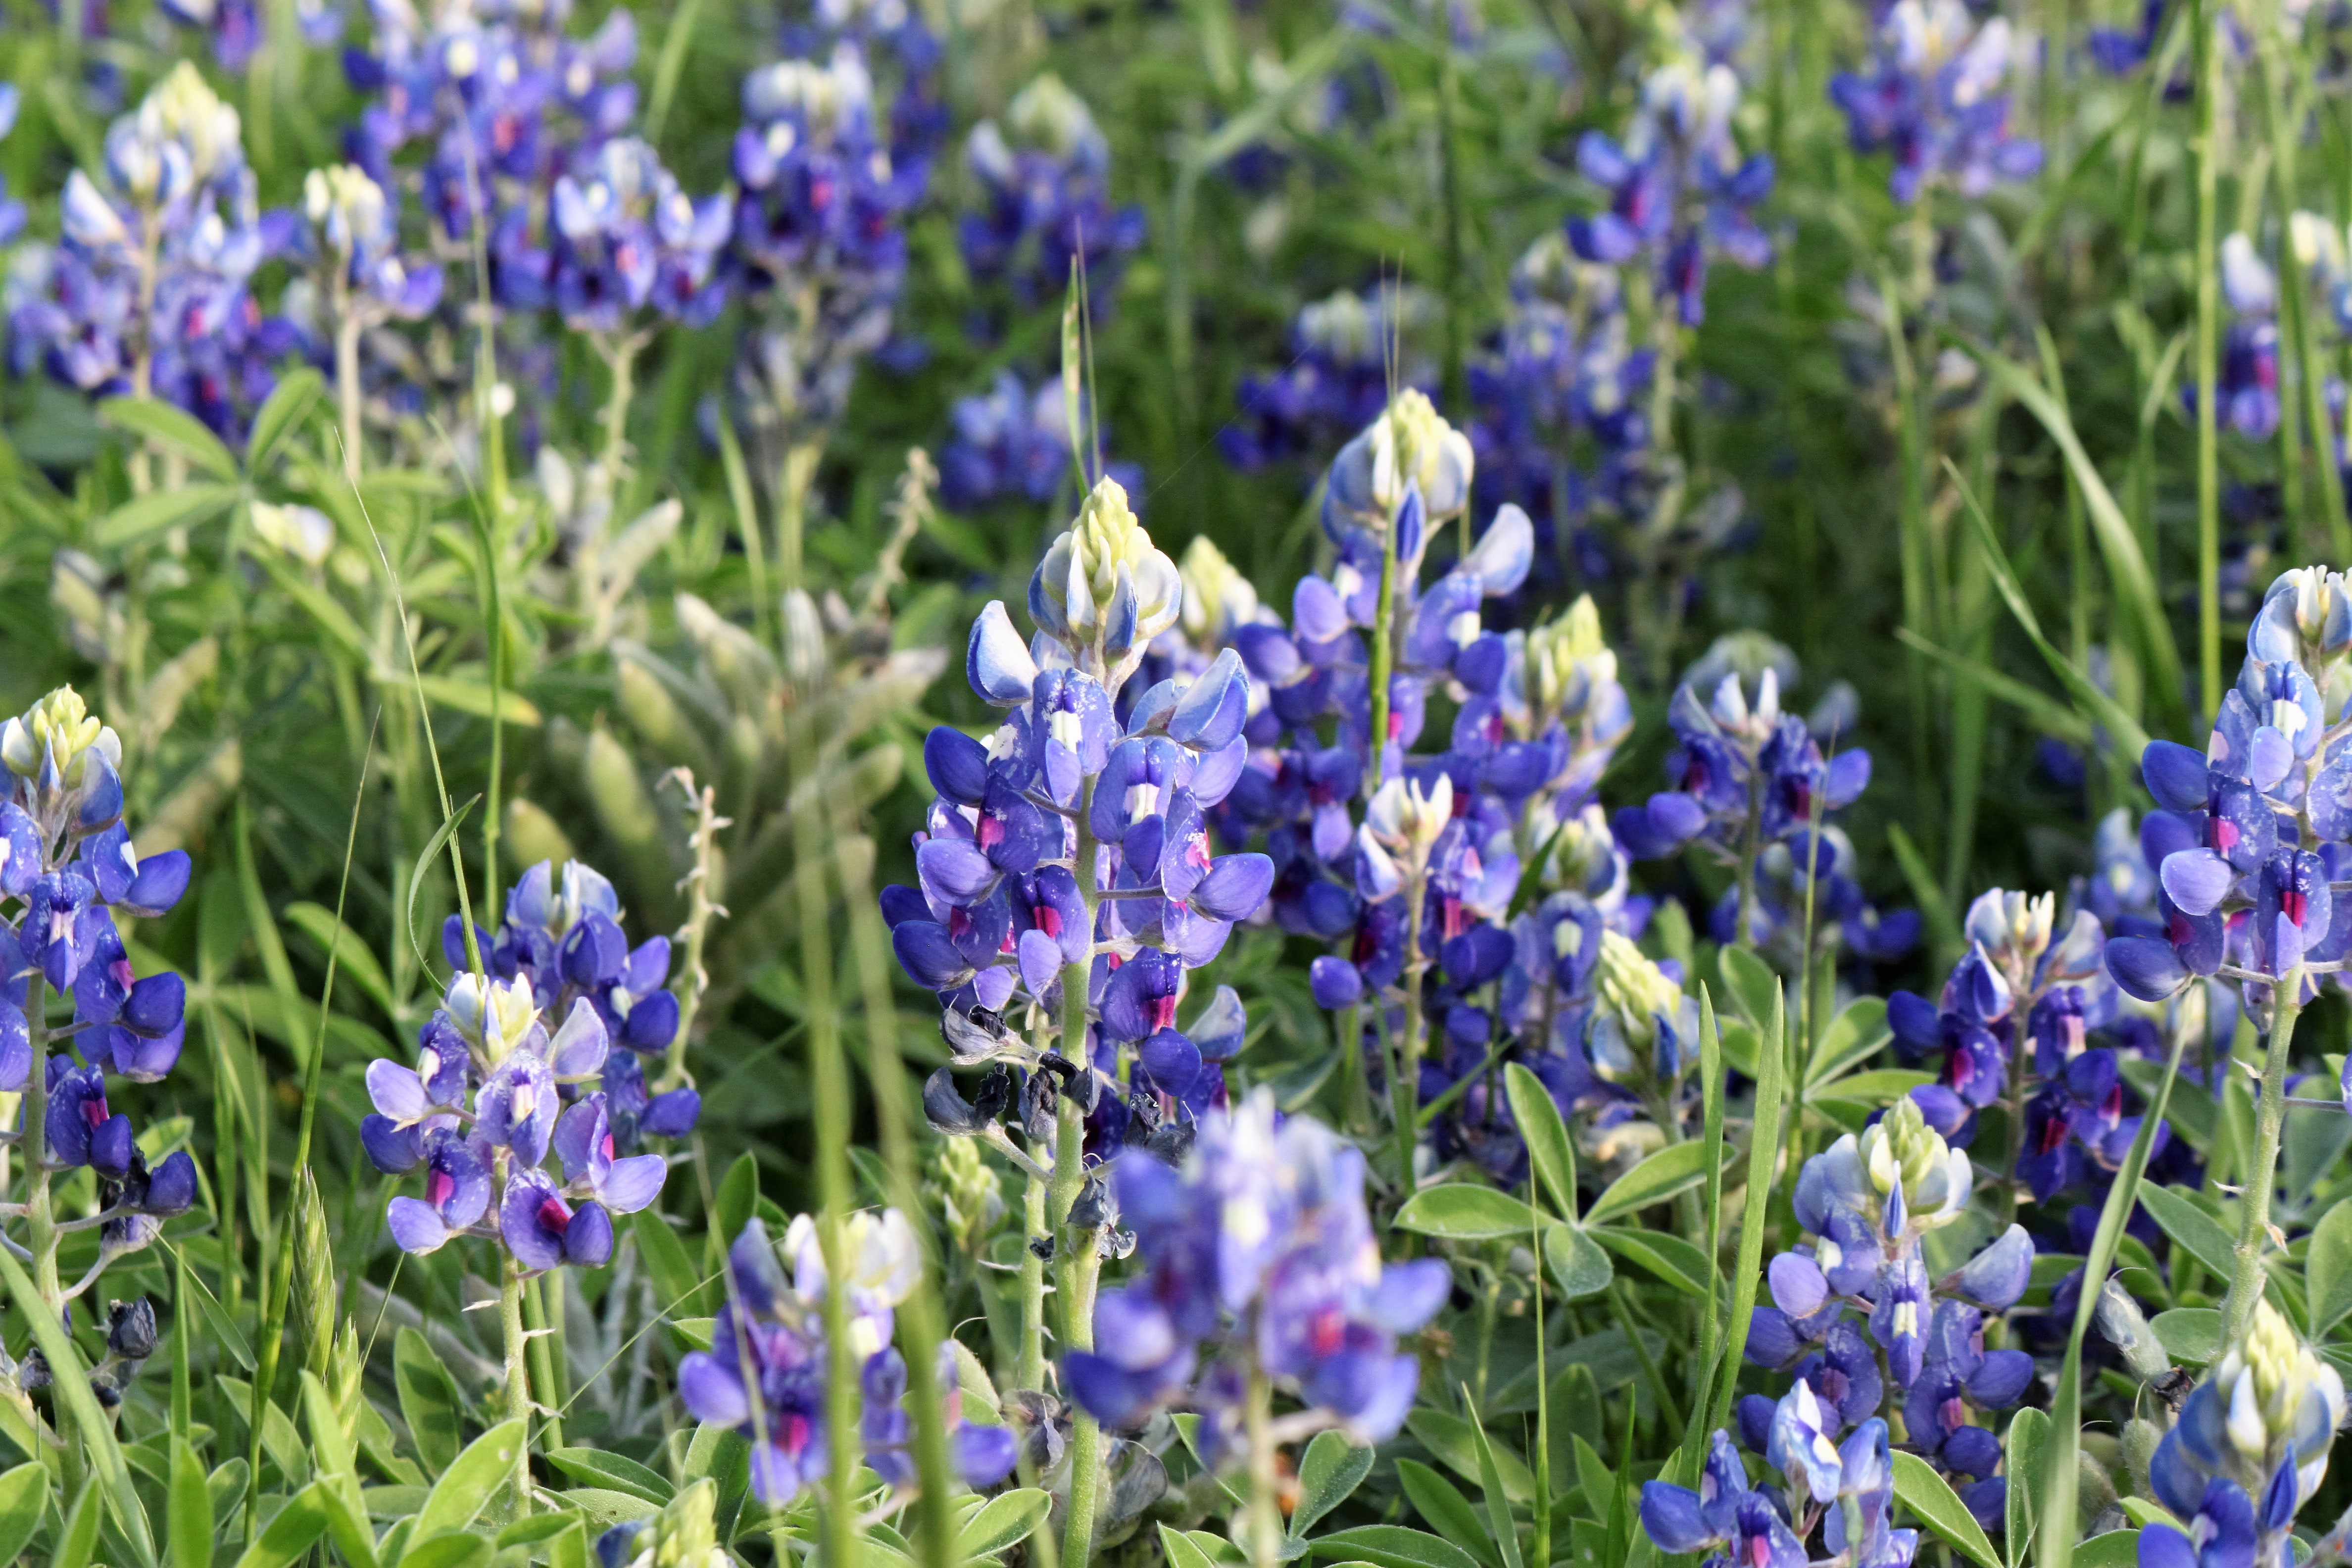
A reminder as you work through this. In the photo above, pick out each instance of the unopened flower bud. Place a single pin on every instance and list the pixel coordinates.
(1412, 443)
(1632, 996)
(1217, 597)
(59, 729)
(494, 1014)
(1902, 1152)
(2126, 1328)
(1078, 593)
(1401, 816)
(131, 1328)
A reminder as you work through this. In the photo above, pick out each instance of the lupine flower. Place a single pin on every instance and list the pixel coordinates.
(1677, 186)
(66, 859)
(1043, 176)
(355, 228)
(1932, 95)
(1000, 914)
(1564, 375)
(1338, 378)
(1014, 441)
(493, 1091)
(11, 211)
(1868, 1201)
(766, 1371)
(146, 291)
(826, 183)
(627, 238)
(1258, 1252)
(560, 949)
(2238, 893)
(1725, 1513)
(2250, 1448)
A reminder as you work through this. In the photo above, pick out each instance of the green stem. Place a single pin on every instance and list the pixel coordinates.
(1383, 662)
(621, 356)
(828, 1076)
(347, 379)
(2246, 1273)
(1264, 1479)
(792, 507)
(1404, 1085)
(543, 1355)
(1077, 1262)
(518, 1377)
(1029, 1368)
(2209, 471)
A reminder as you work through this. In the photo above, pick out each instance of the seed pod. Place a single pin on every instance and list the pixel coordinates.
(2139, 1441)
(532, 835)
(804, 659)
(2126, 1328)
(653, 712)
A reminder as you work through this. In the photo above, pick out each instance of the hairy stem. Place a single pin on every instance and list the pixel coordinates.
(1077, 1262)
(1265, 1480)
(2246, 1274)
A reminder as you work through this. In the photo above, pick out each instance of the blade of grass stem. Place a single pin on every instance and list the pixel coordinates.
(1763, 1165)
(2208, 461)
(2066, 1409)
(280, 1286)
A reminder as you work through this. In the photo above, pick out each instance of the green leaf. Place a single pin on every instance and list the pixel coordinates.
(1679, 1263)
(539, 1527)
(739, 1197)
(1750, 981)
(1444, 1508)
(1461, 1211)
(1664, 1174)
(218, 1322)
(160, 511)
(1455, 1442)
(428, 1399)
(292, 1533)
(2116, 1549)
(286, 409)
(1873, 1088)
(23, 1499)
(474, 697)
(2189, 1334)
(1857, 1034)
(1578, 1264)
(450, 1549)
(1933, 1504)
(1739, 1043)
(1549, 1150)
(1490, 1482)
(2134, 585)
(1392, 1546)
(188, 1519)
(1181, 1552)
(353, 956)
(2191, 1227)
(620, 1473)
(2126, 730)
(488, 1462)
(70, 1382)
(667, 1260)
(1593, 1476)
(2327, 1270)
(77, 1535)
(1331, 1469)
(2029, 1433)
(1006, 1520)
(170, 429)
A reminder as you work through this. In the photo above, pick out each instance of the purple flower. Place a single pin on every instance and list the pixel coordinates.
(456, 1192)
(543, 1230)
